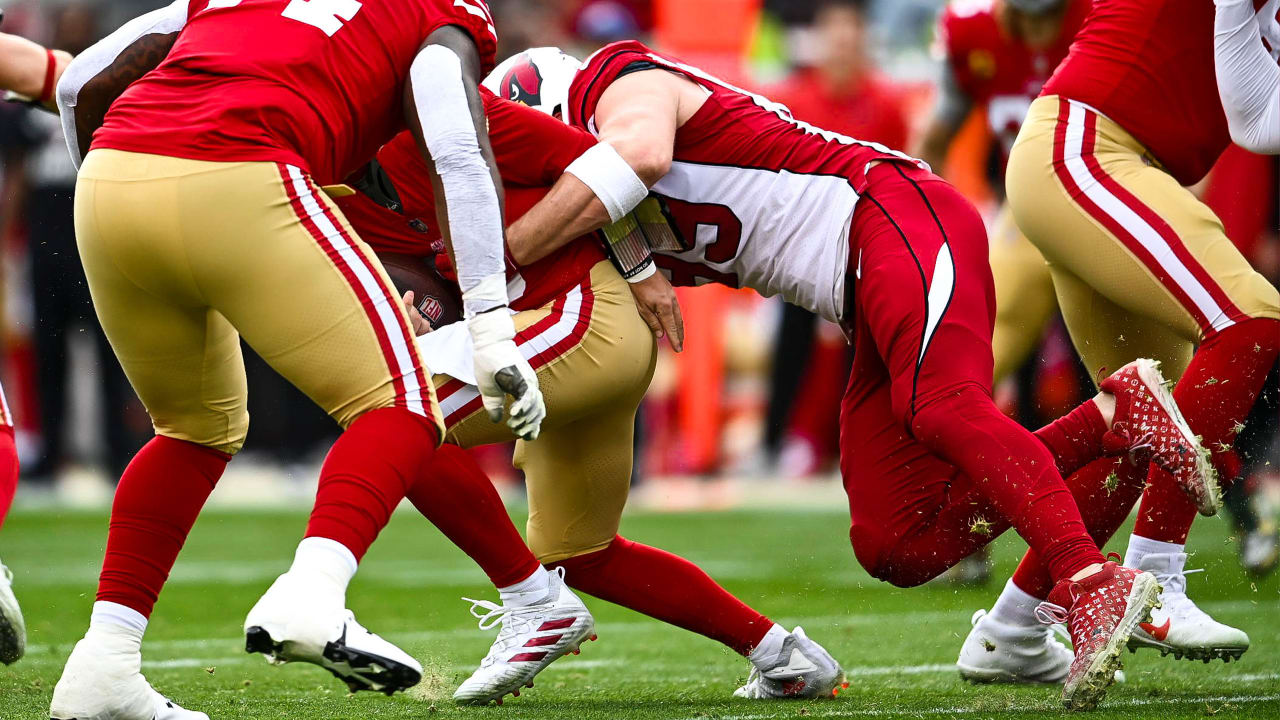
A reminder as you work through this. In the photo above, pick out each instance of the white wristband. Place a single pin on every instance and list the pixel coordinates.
(644, 274)
(610, 177)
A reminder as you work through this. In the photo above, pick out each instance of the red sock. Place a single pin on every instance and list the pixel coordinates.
(1075, 439)
(156, 503)
(668, 588)
(457, 497)
(1215, 395)
(8, 470)
(367, 473)
(1018, 474)
(1105, 491)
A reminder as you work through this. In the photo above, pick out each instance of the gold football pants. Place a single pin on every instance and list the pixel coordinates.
(185, 257)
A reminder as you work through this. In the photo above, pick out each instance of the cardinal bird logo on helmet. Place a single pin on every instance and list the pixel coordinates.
(523, 84)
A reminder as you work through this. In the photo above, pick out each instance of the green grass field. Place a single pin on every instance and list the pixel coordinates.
(897, 645)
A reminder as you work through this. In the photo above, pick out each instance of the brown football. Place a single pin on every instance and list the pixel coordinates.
(437, 299)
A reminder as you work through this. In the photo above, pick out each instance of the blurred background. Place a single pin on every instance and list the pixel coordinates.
(745, 415)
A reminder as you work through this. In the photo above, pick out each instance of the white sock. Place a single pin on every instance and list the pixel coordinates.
(766, 653)
(528, 591)
(326, 561)
(1140, 547)
(117, 620)
(1015, 607)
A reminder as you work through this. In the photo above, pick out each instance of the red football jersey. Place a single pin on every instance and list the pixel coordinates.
(312, 83)
(755, 197)
(994, 67)
(1148, 65)
(532, 150)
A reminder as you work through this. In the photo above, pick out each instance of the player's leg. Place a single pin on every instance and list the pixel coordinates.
(1105, 490)
(169, 343)
(1148, 246)
(13, 629)
(283, 266)
(1025, 300)
(936, 346)
(935, 343)
(578, 477)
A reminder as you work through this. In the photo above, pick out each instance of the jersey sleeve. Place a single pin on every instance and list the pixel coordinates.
(531, 148)
(597, 74)
(473, 16)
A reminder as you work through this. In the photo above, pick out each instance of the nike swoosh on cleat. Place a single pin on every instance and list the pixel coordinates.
(1159, 633)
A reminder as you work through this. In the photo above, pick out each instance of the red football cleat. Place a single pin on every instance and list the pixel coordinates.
(1106, 608)
(1150, 427)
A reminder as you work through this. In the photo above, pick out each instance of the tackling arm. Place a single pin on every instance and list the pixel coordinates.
(100, 74)
(1248, 76)
(637, 116)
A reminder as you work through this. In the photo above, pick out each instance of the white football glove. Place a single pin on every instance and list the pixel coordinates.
(501, 371)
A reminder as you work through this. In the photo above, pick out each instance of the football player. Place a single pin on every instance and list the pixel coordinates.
(521, 582)
(1141, 267)
(996, 57)
(594, 358)
(189, 215)
(869, 238)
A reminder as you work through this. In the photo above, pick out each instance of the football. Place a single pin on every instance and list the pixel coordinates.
(437, 299)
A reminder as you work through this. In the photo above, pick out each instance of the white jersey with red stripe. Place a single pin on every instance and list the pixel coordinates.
(755, 197)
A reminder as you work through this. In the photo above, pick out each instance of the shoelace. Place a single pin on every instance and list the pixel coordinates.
(514, 621)
(1061, 631)
(1144, 442)
(1174, 583)
(1053, 614)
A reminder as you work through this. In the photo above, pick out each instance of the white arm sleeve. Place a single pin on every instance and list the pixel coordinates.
(475, 216)
(88, 64)
(1248, 76)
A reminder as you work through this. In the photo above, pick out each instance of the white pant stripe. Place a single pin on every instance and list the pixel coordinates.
(1139, 229)
(372, 288)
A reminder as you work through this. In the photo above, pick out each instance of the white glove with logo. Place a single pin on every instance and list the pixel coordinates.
(501, 371)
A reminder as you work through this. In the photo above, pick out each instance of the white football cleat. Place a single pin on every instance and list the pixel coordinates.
(293, 623)
(103, 681)
(995, 652)
(803, 669)
(531, 638)
(1178, 626)
(13, 630)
